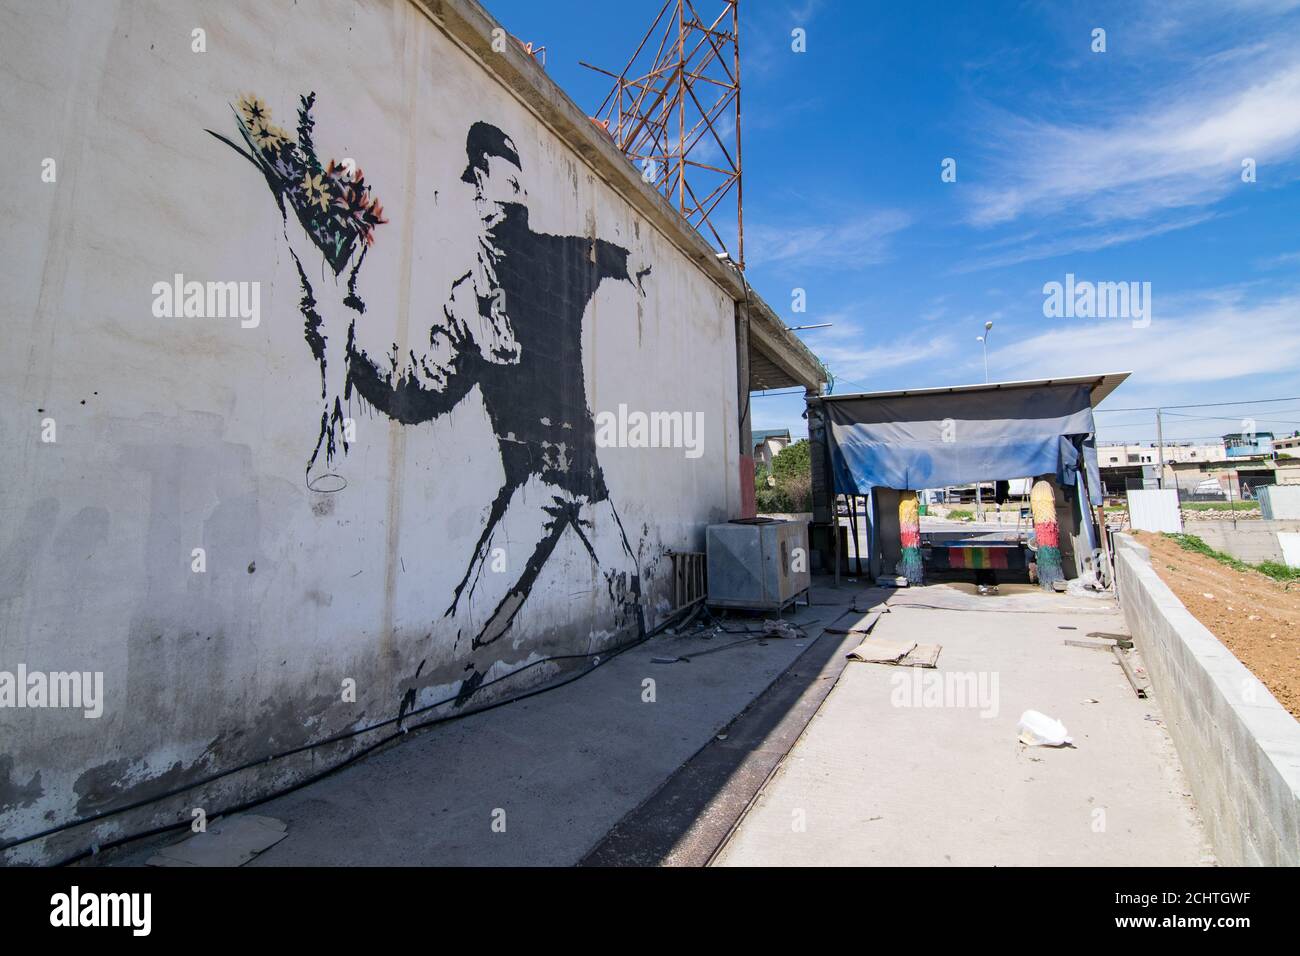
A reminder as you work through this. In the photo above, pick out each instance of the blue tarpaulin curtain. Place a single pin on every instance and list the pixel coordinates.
(945, 438)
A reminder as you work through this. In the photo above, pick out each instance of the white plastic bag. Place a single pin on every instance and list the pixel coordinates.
(1039, 730)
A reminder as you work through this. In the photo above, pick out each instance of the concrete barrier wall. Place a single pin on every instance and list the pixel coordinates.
(1251, 540)
(1239, 748)
(400, 466)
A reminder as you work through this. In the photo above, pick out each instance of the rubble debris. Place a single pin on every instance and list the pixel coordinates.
(229, 841)
(881, 652)
(1039, 730)
(1136, 676)
(862, 626)
(900, 653)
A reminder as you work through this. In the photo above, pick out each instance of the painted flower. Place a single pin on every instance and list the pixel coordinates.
(288, 170)
(252, 110)
(374, 216)
(316, 190)
(341, 173)
(334, 203)
(266, 136)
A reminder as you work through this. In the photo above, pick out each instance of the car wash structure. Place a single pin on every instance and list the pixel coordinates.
(885, 447)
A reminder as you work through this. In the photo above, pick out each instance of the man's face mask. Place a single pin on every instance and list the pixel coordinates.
(501, 184)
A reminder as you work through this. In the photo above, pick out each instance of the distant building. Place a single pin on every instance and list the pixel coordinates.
(768, 443)
(1289, 446)
(1232, 469)
(1236, 477)
(1115, 456)
(1131, 466)
(1246, 444)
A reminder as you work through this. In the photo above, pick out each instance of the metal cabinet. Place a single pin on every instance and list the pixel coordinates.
(760, 565)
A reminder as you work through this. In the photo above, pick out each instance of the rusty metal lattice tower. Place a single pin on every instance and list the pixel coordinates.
(674, 110)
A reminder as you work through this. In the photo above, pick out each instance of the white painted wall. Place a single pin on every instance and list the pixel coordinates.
(1289, 542)
(175, 434)
(1154, 510)
(1279, 502)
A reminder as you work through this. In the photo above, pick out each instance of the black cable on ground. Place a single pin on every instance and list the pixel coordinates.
(336, 738)
(768, 629)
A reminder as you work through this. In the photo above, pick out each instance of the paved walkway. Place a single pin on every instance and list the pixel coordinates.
(874, 781)
(558, 771)
(594, 771)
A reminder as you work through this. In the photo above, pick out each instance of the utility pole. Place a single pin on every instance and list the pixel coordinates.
(1160, 449)
(984, 341)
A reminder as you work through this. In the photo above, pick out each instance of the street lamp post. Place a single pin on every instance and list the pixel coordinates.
(984, 341)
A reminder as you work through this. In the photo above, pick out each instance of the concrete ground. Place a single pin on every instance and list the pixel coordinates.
(593, 772)
(560, 769)
(878, 779)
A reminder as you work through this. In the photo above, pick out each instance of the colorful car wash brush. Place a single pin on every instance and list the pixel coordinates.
(910, 565)
(1042, 502)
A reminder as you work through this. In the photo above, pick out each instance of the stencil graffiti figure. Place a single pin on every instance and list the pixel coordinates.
(338, 212)
(511, 326)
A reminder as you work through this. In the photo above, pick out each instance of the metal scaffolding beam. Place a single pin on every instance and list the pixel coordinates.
(674, 111)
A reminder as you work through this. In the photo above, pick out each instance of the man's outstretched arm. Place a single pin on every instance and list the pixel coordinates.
(612, 263)
(430, 381)
(415, 387)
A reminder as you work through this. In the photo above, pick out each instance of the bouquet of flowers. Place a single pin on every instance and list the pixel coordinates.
(333, 201)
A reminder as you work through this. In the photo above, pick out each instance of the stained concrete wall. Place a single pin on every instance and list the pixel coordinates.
(1251, 540)
(179, 433)
(885, 540)
(1279, 502)
(1239, 747)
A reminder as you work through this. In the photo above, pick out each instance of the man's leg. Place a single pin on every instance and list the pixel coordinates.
(617, 564)
(523, 527)
(540, 515)
(562, 514)
(536, 520)
(483, 548)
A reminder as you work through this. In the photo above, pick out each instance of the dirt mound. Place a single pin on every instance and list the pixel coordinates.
(1253, 615)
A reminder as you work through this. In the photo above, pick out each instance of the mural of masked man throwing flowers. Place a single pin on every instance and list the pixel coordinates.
(511, 326)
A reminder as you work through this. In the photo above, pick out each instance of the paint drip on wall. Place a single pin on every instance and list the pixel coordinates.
(338, 213)
(1042, 502)
(910, 565)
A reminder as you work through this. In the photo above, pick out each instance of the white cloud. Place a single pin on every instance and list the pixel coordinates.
(1035, 247)
(1214, 338)
(1285, 259)
(860, 239)
(1178, 149)
(854, 354)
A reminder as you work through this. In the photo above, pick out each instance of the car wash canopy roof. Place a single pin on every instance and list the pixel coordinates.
(929, 438)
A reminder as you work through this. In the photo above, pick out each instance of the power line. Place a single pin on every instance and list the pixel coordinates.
(1182, 439)
(1156, 408)
(1222, 418)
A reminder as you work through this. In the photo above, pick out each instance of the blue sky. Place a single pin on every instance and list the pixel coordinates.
(1122, 166)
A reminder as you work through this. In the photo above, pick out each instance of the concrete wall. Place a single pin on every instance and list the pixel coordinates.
(885, 532)
(450, 378)
(1251, 540)
(1239, 748)
(1154, 509)
(1069, 522)
(1279, 502)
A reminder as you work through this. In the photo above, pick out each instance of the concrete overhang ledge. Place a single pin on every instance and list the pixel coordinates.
(1099, 386)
